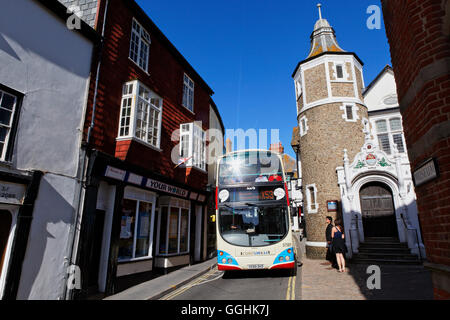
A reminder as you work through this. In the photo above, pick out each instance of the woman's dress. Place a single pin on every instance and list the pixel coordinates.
(338, 243)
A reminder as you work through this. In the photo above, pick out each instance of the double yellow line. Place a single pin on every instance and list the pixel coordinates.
(290, 294)
(189, 286)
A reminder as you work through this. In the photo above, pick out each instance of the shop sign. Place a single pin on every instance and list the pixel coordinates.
(115, 173)
(12, 193)
(164, 187)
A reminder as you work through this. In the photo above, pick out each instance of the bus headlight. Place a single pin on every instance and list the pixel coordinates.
(281, 259)
(224, 261)
(230, 261)
(288, 258)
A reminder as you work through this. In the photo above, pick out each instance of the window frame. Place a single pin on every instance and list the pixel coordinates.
(188, 100)
(136, 85)
(180, 205)
(390, 133)
(193, 132)
(355, 116)
(142, 37)
(151, 201)
(313, 188)
(8, 147)
(303, 128)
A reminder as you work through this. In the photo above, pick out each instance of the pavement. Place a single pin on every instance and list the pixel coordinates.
(397, 282)
(161, 286)
(318, 282)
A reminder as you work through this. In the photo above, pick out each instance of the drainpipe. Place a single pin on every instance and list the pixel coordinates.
(75, 232)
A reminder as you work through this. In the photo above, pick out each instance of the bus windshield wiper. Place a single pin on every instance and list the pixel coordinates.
(251, 204)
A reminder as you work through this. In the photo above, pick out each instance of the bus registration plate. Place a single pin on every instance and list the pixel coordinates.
(255, 266)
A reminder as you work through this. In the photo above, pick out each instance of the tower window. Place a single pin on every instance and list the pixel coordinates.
(339, 72)
(349, 111)
(311, 197)
(303, 126)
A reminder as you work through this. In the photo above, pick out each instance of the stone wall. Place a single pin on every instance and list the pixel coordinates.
(342, 89)
(316, 84)
(322, 151)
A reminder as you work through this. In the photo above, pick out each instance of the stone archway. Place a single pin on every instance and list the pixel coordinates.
(378, 211)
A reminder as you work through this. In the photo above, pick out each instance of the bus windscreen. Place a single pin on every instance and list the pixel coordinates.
(250, 167)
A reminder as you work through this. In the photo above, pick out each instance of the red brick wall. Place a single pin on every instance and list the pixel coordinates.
(419, 42)
(165, 78)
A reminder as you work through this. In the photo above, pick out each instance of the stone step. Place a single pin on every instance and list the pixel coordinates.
(385, 261)
(383, 245)
(387, 250)
(380, 255)
(381, 239)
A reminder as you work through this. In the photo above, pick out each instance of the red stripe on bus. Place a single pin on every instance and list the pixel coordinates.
(287, 194)
(289, 265)
(222, 267)
(217, 198)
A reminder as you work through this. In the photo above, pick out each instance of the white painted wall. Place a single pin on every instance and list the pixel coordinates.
(377, 96)
(214, 123)
(50, 65)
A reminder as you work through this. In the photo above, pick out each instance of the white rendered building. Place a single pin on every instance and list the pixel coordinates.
(377, 189)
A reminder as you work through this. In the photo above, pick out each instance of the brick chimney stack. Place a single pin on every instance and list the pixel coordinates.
(277, 147)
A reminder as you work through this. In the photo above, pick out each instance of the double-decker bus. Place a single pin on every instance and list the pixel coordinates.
(252, 212)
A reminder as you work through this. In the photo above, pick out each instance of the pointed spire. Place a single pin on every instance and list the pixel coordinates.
(323, 38)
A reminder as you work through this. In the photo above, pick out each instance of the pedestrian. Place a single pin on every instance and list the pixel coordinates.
(338, 244)
(331, 257)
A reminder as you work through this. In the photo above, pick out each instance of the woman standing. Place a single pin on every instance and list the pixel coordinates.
(338, 244)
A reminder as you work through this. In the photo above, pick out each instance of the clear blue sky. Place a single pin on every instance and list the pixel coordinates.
(247, 50)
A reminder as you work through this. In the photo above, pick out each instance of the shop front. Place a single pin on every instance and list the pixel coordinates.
(17, 196)
(142, 226)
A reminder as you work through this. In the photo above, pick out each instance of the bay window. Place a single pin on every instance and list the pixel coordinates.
(141, 114)
(193, 145)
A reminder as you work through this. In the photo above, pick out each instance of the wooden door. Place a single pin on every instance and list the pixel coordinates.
(378, 212)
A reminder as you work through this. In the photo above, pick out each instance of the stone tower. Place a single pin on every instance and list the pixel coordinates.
(331, 117)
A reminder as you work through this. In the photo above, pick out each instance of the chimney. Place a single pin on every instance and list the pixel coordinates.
(229, 145)
(277, 147)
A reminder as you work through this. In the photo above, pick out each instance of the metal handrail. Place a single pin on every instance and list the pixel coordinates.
(417, 235)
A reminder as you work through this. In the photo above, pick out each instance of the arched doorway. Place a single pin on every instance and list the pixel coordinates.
(5, 228)
(378, 211)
